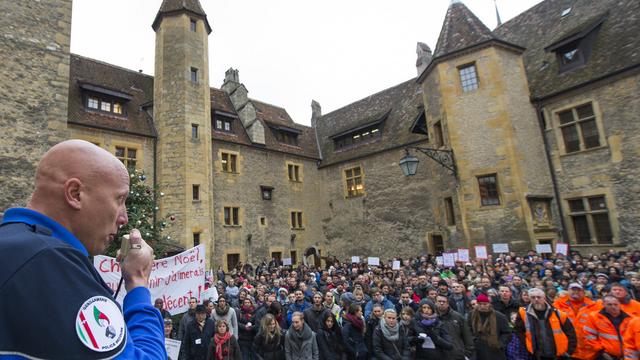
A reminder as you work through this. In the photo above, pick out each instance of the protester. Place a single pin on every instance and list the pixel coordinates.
(74, 212)
(329, 338)
(632, 340)
(269, 343)
(457, 330)
(432, 340)
(314, 314)
(490, 330)
(389, 343)
(224, 345)
(187, 317)
(246, 327)
(546, 332)
(300, 342)
(298, 305)
(370, 324)
(353, 330)
(197, 336)
(225, 312)
(604, 329)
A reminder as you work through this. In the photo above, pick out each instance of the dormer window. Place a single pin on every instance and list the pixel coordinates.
(222, 123)
(285, 135)
(368, 132)
(104, 105)
(573, 51)
(100, 99)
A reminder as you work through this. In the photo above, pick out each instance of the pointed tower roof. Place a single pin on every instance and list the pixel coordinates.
(460, 29)
(175, 6)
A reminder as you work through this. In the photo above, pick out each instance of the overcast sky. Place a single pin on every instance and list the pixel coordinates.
(288, 52)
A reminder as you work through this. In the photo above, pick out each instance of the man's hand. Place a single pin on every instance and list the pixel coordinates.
(136, 266)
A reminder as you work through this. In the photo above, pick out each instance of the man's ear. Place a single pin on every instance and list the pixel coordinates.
(72, 190)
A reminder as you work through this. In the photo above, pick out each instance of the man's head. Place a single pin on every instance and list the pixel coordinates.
(328, 298)
(193, 302)
(458, 288)
(516, 281)
(84, 188)
(576, 292)
(505, 293)
(317, 299)
(158, 304)
(376, 310)
(405, 298)
(298, 295)
(442, 304)
(443, 287)
(483, 303)
(619, 291)
(611, 305)
(538, 299)
(201, 313)
(376, 295)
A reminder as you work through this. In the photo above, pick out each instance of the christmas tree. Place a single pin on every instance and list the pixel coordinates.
(142, 210)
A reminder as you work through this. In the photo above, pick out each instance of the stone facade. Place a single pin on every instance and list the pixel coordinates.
(34, 79)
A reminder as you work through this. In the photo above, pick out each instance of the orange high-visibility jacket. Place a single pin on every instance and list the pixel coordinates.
(563, 304)
(582, 351)
(632, 340)
(556, 320)
(601, 335)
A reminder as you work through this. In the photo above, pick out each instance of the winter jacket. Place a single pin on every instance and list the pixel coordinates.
(538, 334)
(268, 351)
(301, 349)
(246, 333)
(195, 342)
(353, 340)
(386, 304)
(372, 323)
(231, 319)
(313, 317)
(460, 335)
(231, 347)
(385, 349)
(294, 307)
(437, 334)
(483, 350)
(330, 343)
(506, 309)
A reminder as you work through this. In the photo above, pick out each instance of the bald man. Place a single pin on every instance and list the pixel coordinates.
(53, 303)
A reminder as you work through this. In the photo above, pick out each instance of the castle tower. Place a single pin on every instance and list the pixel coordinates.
(477, 104)
(182, 114)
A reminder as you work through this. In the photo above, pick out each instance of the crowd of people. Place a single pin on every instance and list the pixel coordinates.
(516, 307)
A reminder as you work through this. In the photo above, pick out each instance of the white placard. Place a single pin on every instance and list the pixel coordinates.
(286, 261)
(355, 259)
(396, 265)
(173, 348)
(562, 248)
(174, 279)
(449, 259)
(463, 255)
(373, 261)
(210, 293)
(543, 249)
(500, 248)
(481, 252)
(439, 260)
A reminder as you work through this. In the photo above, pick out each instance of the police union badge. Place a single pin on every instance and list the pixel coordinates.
(100, 325)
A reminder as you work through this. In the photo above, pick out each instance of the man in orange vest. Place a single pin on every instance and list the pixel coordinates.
(547, 333)
(577, 307)
(628, 305)
(604, 329)
(632, 340)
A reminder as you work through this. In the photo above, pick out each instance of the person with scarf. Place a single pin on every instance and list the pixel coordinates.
(389, 342)
(269, 343)
(225, 312)
(246, 327)
(457, 329)
(197, 335)
(313, 315)
(224, 345)
(432, 340)
(329, 337)
(490, 329)
(371, 323)
(300, 341)
(353, 330)
(407, 327)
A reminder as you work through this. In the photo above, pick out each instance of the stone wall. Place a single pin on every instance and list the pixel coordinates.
(611, 169)
(34, 86)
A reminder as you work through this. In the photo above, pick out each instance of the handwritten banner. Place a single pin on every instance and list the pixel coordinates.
(174, 279)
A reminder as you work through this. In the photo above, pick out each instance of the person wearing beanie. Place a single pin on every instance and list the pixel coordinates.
(431, 340)
(490, 330)
(197, 335)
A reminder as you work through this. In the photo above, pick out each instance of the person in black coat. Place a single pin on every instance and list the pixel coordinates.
(408, 328)
(353, 333)
(432, 340)
(197, 336)
(329, 338)
(490, 329)
(389, 341)
(269, 343)
(246, 327)
(372, 323)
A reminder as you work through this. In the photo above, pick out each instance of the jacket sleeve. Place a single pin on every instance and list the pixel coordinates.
(378, 350)
(287, 348)
(504, 330)
(570, 332)
(185, 342)
(631, 340)
(314, 348)
(440, 338)
(467, 338)
(367, 310)
(348, 342)
(237, 353)
(234, 323)
(519, 328)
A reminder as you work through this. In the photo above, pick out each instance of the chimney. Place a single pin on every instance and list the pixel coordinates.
(231, 80)
(424, 57)
(316, 114)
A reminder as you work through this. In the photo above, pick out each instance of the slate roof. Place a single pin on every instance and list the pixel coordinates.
(138, 86)
(460, 29)
(616, 46)
(174, 6)
(401, 103)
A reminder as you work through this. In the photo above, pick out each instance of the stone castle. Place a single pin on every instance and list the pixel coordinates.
(534, 126)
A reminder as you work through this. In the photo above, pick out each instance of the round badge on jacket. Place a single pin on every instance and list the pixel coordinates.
(100, 325)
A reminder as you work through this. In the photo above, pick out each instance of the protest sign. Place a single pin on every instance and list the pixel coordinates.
(173, 348)
(174, 279)
(481, 252)
(439, 260)
(449, 259)
(373, 261)
(500, 248)
(396, 265)
(355, 259)
(543, 249)
(210, 293)
(562, 248)
(286, 261)
(463, 255)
